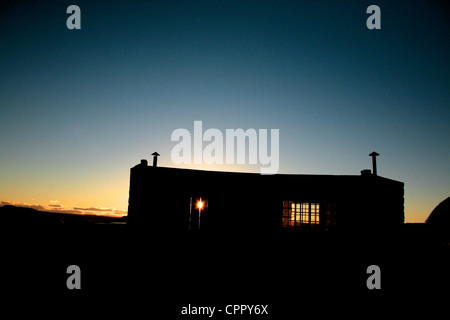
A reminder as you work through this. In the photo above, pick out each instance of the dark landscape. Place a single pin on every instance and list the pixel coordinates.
(131, 272)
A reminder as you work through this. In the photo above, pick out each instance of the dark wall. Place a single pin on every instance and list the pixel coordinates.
(160, 199)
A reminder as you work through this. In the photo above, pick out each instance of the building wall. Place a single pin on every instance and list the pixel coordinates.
(160, 200)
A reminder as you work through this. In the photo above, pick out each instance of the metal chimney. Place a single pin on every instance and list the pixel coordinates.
(155, 158)
(374, 162)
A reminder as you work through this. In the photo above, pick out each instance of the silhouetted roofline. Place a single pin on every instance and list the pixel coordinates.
(280, 175)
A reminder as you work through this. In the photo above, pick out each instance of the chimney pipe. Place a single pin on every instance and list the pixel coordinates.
(155, 158)
(374, 162)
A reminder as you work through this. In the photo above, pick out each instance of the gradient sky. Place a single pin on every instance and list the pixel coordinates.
(78, 108)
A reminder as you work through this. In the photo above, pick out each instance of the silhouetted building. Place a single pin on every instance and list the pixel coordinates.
(169, 199)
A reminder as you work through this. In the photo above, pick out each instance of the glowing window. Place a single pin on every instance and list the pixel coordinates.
(300, 215)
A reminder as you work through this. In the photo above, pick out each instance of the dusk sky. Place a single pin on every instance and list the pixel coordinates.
(79, 108)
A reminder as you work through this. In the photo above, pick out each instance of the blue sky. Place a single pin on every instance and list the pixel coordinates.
(80, 107)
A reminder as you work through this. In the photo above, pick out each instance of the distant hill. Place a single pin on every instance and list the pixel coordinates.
(18, 216)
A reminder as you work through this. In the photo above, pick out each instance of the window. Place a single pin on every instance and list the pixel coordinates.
(300, 215)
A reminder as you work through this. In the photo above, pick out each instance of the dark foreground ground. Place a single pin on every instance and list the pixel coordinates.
(126, 272)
